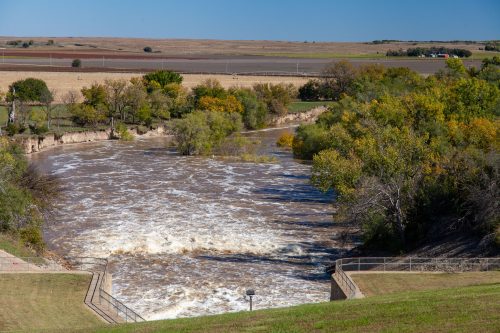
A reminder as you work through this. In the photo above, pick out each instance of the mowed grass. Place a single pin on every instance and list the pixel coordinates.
(3, 115)
(300, 106)
(33, 302)
(14, 246)
(467, 309)
(384, 283)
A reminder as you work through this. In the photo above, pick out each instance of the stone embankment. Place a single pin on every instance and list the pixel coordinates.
(36, 143)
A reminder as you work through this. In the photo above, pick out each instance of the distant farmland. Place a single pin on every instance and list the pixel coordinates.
(213, 56)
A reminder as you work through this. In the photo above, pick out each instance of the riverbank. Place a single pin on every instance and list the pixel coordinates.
(37, 143)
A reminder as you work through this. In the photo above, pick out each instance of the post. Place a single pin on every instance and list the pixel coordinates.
(410, 264)
(359, 264)
(250, 303)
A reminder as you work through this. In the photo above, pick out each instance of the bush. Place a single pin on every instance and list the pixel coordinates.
(32, 237)
(202, 132)
(311, 91)
(162, 79)
(123, 133)
(148, 49)
(14, 128)
(77, 63)
(285, 140)
(277, 97)
(254, 111)
(26, 45)
(38, 129)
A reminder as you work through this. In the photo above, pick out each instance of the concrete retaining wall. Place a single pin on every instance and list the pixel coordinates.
(336, 292)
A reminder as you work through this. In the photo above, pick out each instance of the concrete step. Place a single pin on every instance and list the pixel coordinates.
(92, 301)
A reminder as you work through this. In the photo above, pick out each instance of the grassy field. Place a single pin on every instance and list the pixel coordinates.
(61, 83)
(325, 55)
(186, 47)
(380, 284)
(32, 302)
(300, 106)
(3, 115)
(468, 309)
(54, 303)
(11, 245)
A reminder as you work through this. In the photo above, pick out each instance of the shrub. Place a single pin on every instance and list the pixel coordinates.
(254, 111)
(77, 63)
(123, 133)
(32, 237)
(285, 140)
(311, 91)
(38, 129)
(14, 128)
(148, 49)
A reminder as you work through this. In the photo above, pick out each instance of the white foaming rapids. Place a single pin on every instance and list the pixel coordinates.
(186, 236)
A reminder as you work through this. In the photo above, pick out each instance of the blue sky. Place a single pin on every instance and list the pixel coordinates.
(296, 20)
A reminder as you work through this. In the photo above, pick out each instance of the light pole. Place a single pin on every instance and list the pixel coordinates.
(250, 293)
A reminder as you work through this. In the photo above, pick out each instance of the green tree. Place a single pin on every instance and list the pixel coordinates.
(161, 79)
(95, 95)
(115, 97)
(192, 134)
(26, 196)
(277, 97)
(210, 88)
(76, 63)
(338, 78)
(26, 91)
(254, 111)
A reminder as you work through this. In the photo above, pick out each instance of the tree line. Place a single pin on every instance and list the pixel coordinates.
(410, 158)
(151, 100)
(428, 51)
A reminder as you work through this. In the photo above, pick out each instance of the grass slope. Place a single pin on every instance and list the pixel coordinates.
(379, 284)
(32, 302)
(468, 309)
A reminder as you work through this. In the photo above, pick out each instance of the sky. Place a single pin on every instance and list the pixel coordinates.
(292, 20)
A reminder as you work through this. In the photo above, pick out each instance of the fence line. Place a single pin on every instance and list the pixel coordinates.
(408, 264)
(87, 264)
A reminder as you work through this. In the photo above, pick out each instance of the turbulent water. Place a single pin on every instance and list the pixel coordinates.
(187, 236)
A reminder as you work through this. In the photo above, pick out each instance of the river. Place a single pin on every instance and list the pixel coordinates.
(186, 236)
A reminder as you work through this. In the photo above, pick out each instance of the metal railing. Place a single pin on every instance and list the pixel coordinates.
(406, 264)
(87, 264)
(121, 309)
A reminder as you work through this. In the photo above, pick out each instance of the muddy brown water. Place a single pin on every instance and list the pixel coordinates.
(186, 236)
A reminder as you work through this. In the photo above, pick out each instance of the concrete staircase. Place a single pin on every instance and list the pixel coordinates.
(92, 300)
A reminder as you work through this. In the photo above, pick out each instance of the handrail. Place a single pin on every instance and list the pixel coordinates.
(409, 264)
(89, 264)
(115, 303)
